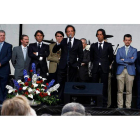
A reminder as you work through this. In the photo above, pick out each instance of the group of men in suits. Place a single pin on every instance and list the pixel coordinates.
(67, 57)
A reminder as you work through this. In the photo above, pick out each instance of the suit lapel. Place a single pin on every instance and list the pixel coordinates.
(3, 47)
(21, 52)
(129, 51)
(124, 53)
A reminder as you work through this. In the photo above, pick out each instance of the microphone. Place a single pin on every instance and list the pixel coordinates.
(69, 38)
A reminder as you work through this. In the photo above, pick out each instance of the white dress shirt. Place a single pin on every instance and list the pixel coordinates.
(127, 48)
(101, 46)
(40, 58)
(23, 49)
(72, 40)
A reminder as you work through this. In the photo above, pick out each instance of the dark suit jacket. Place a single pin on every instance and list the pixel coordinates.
(83, 71)
(138, 63)
(105, 59)
(75, 52)
(5, 56)
(19, 63)
(44, 52)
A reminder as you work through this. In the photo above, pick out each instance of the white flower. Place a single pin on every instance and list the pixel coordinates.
(10, 90)
(39, 77)
(34, 78)
(19, 81)
(42, 85)
(54, 88)
(31, 96)
(26, 76)
(37, 92)
(30, 90)
(9, 87)
(48, 92)
(17, 94)
(24, 88)
(44, 79)
(35, 85)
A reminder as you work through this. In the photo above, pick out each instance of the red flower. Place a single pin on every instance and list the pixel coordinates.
(20, 88)
(47, 84)
(32, 86)
(16, 91)
(37, 89)
(29, 79)
(41, 81)
(26, 93)
(41, 94)
(45, 87)
(45, 94)
(31, 70)
(38, 82)
(20, 84)
(26, 84)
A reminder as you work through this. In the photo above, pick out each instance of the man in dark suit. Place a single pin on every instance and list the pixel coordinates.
(101, 55)
(38, 52)
(20, 58)
(83, 70)
(5, 56)
(71, 58)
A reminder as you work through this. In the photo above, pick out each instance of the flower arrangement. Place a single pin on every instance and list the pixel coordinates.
(34, 89)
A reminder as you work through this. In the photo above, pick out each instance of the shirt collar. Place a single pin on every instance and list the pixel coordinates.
(23, 47)
(101, 42)
(84, 49)
(72, 39)
(2, 43)
(127, 47)
(40, 43)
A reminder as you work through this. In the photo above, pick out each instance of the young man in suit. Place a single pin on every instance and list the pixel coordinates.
(125, 59)
(83, 70)
(5, 56)
(101, 55)
(38, 52)
(54, 57)
(20, 58)
(71, 49)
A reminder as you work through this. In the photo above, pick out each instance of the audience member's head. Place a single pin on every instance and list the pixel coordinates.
(73, 107)
(17, 106)
(72, 113)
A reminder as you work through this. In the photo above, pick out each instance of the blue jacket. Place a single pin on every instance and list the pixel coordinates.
(128, 62)
(5, 56)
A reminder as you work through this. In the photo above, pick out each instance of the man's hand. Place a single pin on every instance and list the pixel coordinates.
(0, 64)
(82, 64)
(35, 53)
(122, 59)
(132, 57)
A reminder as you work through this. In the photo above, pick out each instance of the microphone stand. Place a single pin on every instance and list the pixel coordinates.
(68, 58)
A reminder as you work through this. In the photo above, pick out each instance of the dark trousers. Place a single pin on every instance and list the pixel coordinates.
(41, 73)
(138, 90)
(104, 79)
(64, 75)
(3, 90)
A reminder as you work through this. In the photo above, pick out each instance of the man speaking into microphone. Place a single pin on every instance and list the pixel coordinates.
(71, 58)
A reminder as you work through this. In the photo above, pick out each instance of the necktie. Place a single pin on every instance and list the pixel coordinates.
(69, 47)
(100, 49)
(38, 47)
(24, 52)
(126, 50)
(0, 46)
